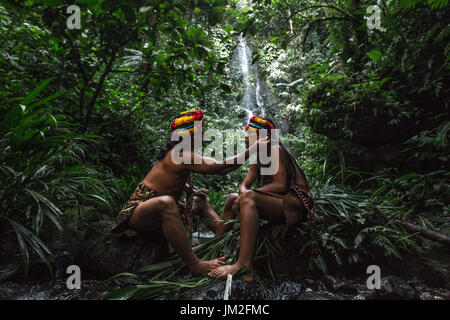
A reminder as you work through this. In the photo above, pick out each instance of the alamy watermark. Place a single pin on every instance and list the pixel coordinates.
(74, 280)
(374, 281)
(258, 153)
(374, 20)
(74, 20)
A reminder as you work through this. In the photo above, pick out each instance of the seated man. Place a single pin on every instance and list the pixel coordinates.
(156, 203)
(282, 198)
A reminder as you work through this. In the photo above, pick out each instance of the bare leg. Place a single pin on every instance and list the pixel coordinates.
(227, 214)
(207, 213)
(162, 212)
(252, 205)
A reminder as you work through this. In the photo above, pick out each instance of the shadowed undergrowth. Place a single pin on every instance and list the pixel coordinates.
(351, 229)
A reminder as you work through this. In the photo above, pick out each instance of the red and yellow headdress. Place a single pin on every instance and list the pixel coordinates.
(184, 122)
(257, 123)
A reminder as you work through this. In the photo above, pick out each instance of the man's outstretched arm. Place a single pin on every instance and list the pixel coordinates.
(208, 165)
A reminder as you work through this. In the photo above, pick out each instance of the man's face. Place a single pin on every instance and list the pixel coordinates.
(250, 135)
(199, 136)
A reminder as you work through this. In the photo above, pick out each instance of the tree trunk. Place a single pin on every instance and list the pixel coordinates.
(433, 235)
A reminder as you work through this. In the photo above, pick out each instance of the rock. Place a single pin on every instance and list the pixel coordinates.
(10, 291)
(103, 255)
(96, 251)
(100, 255)
(240, 290)
(310, 295)
(395, 288)
(329, 281)
(430, 296)
(310, 282)
(345, 288)
(53, 290)
(286, 290)
(334, 285)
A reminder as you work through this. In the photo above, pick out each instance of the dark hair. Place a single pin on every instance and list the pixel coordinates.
(292, 168)
(166, 148)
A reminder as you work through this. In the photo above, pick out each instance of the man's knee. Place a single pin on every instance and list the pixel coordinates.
(247, 197)
(167, 204)
(200, 202)
(230, 200)
(232, 197)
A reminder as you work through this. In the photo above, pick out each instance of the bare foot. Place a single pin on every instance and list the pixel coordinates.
(202, 268)
(196, 243)
(223, 271)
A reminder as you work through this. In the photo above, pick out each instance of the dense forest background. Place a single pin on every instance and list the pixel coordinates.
(83, 112)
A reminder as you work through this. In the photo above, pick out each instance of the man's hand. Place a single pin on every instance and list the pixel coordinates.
(203, 193)
(258, 143)
(262, 141)
(242, 189)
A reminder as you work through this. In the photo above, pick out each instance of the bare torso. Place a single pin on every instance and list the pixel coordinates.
(298, 179)
(166, 178)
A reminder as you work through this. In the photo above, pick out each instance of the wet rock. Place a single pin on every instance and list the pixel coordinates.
(240, 290)
(96, 251)
(309, 294)
(286, 290)
(435, 294)
(336, 286)
(53, 290)
(310, 282)
(396, 288)
(430, 296)
(101, 254)
(329, 281)
(345, 288)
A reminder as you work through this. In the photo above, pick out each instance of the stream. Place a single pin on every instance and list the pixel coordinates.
(288, 285)
(327, 288)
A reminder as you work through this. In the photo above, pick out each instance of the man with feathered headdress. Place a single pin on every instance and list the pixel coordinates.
(157, 201)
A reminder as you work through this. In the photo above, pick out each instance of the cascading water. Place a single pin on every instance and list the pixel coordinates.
(252, 101)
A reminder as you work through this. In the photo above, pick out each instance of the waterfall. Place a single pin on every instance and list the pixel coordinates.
(252, 101)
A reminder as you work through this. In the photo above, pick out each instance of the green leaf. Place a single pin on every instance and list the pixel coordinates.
(375, 55)
(383, 81)
(33, 94)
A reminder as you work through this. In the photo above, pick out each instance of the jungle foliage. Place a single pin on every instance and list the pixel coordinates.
(84, 112)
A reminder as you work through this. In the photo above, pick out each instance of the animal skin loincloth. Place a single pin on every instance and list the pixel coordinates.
(140, 195)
